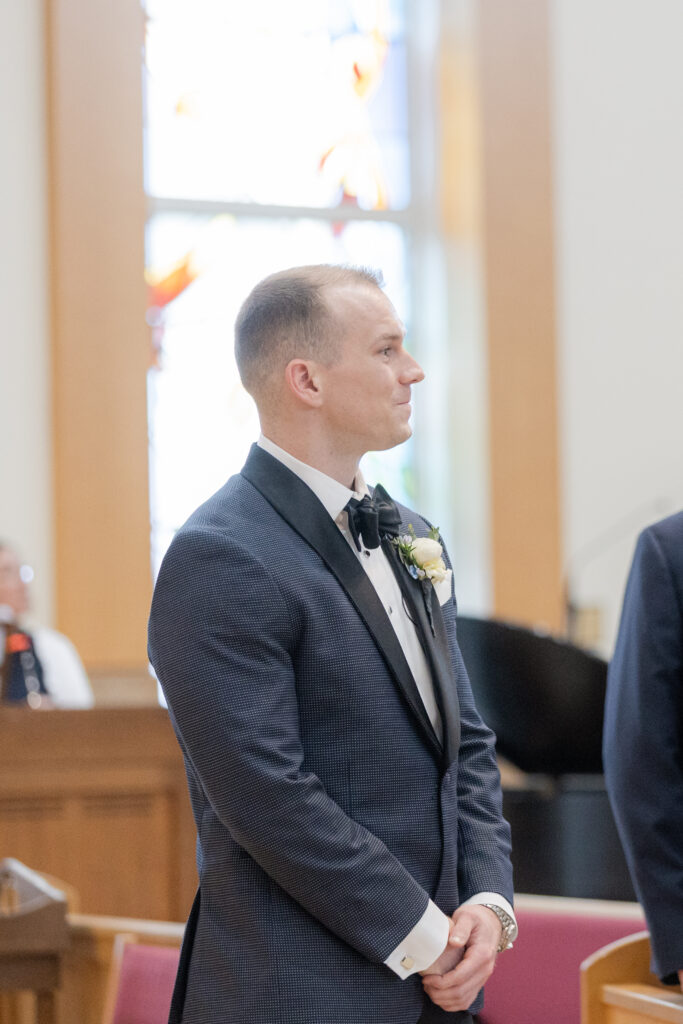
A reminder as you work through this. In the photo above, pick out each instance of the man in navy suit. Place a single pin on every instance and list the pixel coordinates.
(345, 790)
(643, 742)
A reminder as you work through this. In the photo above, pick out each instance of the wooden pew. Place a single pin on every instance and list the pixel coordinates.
(617, 986)
(86, 965)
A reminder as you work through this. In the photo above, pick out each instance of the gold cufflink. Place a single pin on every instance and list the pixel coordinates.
(407, 963)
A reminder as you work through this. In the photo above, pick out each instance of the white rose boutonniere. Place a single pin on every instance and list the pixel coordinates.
(422, 556)
(428, 558)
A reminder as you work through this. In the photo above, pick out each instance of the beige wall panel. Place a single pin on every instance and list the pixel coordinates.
(99, 334)
(520, 310)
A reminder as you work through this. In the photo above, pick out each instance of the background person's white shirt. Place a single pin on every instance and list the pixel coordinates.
(427, 940)
(63, 674)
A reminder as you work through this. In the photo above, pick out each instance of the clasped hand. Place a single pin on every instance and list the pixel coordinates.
(454, 979)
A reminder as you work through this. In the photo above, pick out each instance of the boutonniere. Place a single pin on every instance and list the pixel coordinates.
(423, 558)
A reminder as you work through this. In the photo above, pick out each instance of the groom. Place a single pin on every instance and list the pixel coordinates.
(345, 790)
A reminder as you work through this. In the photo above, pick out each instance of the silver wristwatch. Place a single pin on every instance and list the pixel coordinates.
(508, 926)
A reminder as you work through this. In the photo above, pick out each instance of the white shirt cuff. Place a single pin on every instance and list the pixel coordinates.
(423, 944)
(498, 901)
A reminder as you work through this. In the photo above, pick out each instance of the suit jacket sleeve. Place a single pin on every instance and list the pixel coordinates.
(222, 653)
(643, 743)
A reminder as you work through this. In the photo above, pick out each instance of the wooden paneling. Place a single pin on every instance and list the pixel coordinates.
(98, 799)
(517, 206)
(100, 339)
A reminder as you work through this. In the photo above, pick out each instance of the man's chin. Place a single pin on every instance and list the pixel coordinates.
(400, 437)
(406, 431)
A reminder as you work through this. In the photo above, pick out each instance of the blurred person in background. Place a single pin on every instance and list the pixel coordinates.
(643, 742)
(38, 667)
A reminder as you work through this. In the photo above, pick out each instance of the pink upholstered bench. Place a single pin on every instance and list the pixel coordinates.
(141, 982)
(537, 982)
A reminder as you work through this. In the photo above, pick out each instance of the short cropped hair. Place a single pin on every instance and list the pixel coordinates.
(286, 316)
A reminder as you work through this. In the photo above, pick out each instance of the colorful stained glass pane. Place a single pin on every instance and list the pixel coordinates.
(300, 103)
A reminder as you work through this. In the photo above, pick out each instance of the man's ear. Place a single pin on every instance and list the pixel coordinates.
(302, 378)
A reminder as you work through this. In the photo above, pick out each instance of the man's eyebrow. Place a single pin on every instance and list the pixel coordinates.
(391, 335)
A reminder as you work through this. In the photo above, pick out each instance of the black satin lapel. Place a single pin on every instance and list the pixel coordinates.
(301, 509)
(436, 649)
(448, 683)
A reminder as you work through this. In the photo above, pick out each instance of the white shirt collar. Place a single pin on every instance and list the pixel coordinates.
(333, 495)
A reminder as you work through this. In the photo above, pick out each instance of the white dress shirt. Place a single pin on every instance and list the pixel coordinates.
(427, 940)
(63, 674)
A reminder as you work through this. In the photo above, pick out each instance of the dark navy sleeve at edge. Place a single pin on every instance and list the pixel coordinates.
(643, 740)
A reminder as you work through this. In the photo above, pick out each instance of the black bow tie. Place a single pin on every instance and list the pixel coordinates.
(373, 518)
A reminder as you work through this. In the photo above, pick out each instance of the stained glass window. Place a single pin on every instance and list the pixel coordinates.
(292, 104)
(275, 135)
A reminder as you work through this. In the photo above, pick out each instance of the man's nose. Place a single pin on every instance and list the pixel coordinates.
(412, 372)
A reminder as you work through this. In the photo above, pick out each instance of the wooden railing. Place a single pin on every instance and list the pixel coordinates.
(617, 986)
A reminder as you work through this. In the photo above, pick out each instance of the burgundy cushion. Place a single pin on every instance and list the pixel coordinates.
(145, 984)
(537, 982)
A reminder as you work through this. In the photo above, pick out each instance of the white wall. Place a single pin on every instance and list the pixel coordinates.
(25, 474)
(619, 233)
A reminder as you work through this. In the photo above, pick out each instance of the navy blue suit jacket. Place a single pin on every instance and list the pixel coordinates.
(643, 743)
(328, 812)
